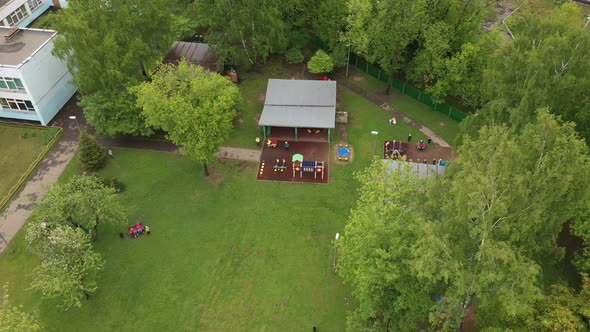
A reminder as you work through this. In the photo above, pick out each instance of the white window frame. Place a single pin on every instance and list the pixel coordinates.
(17, 105)
(12, 81)
(18, 15)
(33, 4)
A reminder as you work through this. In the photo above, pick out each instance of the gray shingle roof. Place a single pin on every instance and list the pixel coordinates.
(300, 104)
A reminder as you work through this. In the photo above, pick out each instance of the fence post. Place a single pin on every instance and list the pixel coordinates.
(379, 75)
(404, 88)
(435, 104)
(419, 95)
(450, 110)
(367, 68)
(357, 62)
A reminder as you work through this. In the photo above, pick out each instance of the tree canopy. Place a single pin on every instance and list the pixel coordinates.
(375, 248)
(382, 30)
(245, 32)
(69, 266)
(478, 234)
(544, 66)
(110, 46)
(83, 202)
(194, 106)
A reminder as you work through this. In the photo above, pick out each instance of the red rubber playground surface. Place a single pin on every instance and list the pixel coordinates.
(310, 151)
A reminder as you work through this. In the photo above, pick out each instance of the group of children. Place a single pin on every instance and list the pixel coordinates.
(138, 229)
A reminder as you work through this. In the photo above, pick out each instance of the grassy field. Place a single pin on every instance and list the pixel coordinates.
(441, 124)
(226, 253)
(20, 147)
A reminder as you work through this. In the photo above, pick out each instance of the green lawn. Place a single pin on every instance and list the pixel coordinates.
(229, 254)
(20, 147)
(236, 254)
(441, 124)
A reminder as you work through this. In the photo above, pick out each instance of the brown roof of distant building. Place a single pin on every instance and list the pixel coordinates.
(195, 53)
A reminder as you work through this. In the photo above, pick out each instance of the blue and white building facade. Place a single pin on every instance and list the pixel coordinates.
(34, 84)
(21, 13)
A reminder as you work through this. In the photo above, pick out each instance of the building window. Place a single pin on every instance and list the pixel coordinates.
(34, 4)
(17, 104)
(17, 15)
(9, 83)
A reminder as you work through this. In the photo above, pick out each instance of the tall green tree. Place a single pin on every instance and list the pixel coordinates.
(375, 248)
(382, 30)
(15, 318)
(110, 46)
(194, 106)
(245, 32)
(544, 66)
(498, 213)
(84, 202)
(69, 266)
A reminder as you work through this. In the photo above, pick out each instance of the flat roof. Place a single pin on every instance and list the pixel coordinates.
(420, 169)
(16, 49)
(300, 93)
(299, 104)
(4, 2)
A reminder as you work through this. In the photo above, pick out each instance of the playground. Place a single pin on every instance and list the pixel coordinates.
(302, 162)
(416, 152)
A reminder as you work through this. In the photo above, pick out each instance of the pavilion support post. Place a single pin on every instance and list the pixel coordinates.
(264, 132)
(329, 131)
(296, 138)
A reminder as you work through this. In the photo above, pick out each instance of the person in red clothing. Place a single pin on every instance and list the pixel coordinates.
(132, 232)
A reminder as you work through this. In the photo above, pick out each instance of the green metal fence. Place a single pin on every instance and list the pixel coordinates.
(406, 88)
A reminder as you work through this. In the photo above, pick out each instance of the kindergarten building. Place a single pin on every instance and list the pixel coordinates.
(34, 84)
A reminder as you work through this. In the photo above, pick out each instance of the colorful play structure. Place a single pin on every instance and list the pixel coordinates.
(343, 152)
(307, 166)
(271, 143)
(393, 150)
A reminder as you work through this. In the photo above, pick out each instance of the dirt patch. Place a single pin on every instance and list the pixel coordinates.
(343, 135)
(357, 78)
(433, 151)
(246, 167)
(215, 177)
(261, 97)
(441, 124)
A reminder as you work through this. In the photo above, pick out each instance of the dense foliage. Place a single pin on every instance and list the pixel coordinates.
(479, 234)
(110, 46)
(194, 106)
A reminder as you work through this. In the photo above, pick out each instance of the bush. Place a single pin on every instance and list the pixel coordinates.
(112, 183)
(294, 56)
(92, 155)
(320, 63)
